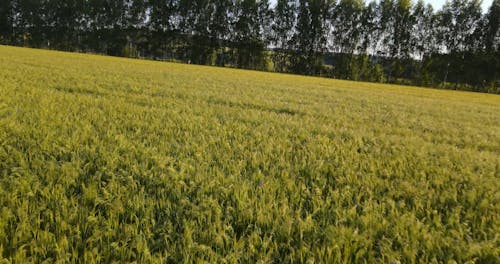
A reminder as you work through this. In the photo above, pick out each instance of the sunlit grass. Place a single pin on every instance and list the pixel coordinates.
(115, 160)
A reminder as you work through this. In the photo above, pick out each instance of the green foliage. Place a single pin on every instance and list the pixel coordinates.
(108, 160)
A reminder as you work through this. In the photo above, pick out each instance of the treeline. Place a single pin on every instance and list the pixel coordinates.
(393, 41)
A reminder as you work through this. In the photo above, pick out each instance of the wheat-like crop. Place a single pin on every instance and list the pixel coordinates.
(113, 160)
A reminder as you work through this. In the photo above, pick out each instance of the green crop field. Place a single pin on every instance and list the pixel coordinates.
(108, 160)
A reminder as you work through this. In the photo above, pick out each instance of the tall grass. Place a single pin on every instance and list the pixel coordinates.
(112, 160)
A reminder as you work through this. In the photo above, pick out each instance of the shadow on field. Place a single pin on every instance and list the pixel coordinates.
(78, 90)
(263, 108)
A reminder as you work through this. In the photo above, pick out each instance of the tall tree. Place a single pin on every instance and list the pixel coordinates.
(283, 23)
(134, 26)
(492, 32)
(219, 28)
(396, 20)
(163, 25)
(195, 25)
(310, 37)
(403, 24)
(370, 29)
(31, 20)
(108, 25)
(423, 41)
(386, 21)
(63, 21)
(423, 36)
(249, 32)
(458, 22)
(5, 20)
(346, 26)
(490, 62)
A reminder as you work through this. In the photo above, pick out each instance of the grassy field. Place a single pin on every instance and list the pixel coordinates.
(113, 160)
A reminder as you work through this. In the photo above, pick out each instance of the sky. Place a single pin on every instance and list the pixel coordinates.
(437, 4)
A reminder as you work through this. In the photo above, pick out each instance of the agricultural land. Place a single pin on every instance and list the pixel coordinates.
(108, 160)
